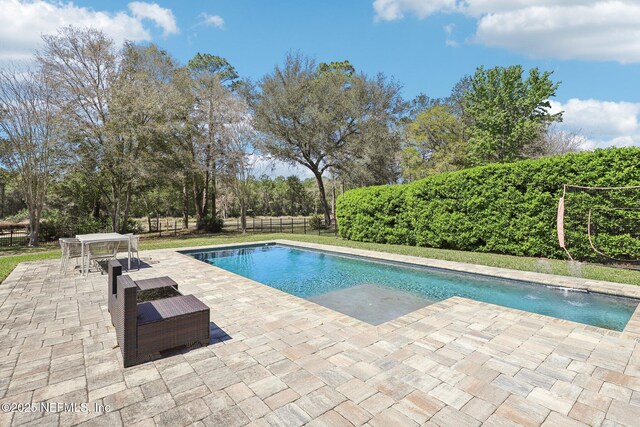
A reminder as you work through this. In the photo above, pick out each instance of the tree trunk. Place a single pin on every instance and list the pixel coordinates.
(34, 228)
(2, 199)
(96, 209)
(211, 160)
(115, 210)
(333, 199)
(197, 198)
(185, 205)
(243, 216)
(326, 209)
(205, 194)
(125, 215)
(214, 190)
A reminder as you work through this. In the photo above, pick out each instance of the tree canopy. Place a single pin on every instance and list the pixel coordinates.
(98, 133)
(322, 117)
(507, 112)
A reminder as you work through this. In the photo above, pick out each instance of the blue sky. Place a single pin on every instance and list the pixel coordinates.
(592, 46)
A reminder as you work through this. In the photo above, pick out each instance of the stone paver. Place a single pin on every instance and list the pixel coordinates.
(275, 359)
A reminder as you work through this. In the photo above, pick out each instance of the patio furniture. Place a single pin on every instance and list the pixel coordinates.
(102, 251)
(146, 328)
(86, 239)
(133, 247)
(156, 283)
(114, 269)
(71, 248)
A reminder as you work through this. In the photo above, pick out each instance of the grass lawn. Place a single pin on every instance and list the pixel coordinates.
(8, 261)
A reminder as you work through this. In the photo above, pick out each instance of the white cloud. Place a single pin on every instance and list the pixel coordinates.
(602, 123)
(212, 20)
(161, 16)
(23, 22)
(600, 31)
(391, 10)
(605, 30)
(448, 30)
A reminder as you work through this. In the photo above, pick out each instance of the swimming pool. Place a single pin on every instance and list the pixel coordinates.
(354, 285)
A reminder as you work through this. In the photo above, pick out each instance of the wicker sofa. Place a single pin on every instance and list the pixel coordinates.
(143, 329)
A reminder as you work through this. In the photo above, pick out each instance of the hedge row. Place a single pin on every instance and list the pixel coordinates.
(502, 208)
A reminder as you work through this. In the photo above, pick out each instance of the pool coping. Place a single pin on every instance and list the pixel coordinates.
(632, 329)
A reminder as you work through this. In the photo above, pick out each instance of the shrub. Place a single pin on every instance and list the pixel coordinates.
(133, 226)
(211, 224)
(503, 208)
(316, 222)
(57, 224)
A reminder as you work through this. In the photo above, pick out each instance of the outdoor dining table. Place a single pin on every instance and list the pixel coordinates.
(102, 237)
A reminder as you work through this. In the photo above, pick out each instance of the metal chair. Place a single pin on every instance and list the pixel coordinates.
(71, 248)
(133, 242)
(102, 251)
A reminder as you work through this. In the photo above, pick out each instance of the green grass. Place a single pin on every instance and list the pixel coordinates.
(563, 268)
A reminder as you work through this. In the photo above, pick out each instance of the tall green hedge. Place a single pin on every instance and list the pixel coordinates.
(502, 208)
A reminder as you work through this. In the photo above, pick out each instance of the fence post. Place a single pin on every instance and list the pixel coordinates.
(291, 225)
(11, 237)
(281, 224)
(261, 228)
(175, 227)
(159, 228)
(270, 225)
(238, 224)
(304, 225)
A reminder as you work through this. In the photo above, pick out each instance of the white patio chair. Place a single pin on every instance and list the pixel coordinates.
(71, 248)
(63, 249)
(102, 251)
(134, 241)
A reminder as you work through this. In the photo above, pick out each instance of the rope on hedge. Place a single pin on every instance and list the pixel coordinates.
(590, 224)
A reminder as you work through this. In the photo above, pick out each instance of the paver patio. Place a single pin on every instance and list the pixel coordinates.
(275, 359)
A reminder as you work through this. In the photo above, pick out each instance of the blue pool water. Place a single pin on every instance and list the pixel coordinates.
(308, 274)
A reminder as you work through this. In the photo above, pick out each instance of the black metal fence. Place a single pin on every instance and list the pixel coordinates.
(167, 228)
(14, 237)
(295, 225)
(280, 225)
(174, 228)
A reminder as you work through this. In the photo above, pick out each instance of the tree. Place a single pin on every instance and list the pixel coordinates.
(435, 143)
(82, 65)
(29, 140)
(555, 142)
(205, 66)
(212, 78)
(298, 199)
(456, 101)
(143, 103)
(507, 112)
(238, 156)
(118, 105)
(376, 160)
(314, 116)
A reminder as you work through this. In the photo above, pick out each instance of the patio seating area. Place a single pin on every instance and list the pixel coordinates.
(95, 249)
(153, 326)
(275, 359)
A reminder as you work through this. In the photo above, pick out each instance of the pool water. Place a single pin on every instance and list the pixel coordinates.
(311, 274)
